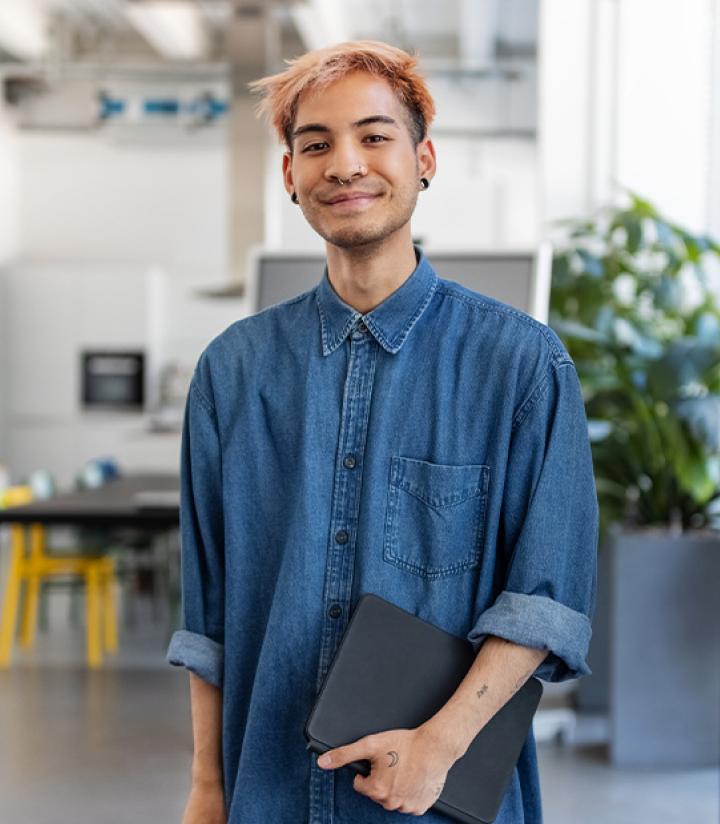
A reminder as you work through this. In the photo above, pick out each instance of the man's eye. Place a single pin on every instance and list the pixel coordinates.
(376, 138)
(315, 147)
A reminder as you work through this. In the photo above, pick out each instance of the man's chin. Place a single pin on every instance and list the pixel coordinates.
(355, 237)
(353, 240)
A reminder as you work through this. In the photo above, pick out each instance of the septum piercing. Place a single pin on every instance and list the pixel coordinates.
(360, 172)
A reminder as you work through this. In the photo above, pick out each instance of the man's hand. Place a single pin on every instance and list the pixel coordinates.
(408, 768)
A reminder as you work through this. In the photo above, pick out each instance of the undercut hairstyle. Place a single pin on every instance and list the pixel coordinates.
(317, 70)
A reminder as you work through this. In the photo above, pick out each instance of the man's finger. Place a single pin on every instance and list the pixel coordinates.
(332, 760)
(360, 784)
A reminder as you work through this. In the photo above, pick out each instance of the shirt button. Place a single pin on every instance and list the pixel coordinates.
(362, 327)
(335, 611)
(341, 537)
(349, 462)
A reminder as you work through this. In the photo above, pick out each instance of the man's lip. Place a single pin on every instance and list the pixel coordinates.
(349, 196)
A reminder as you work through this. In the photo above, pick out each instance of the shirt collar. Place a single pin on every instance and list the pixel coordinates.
(390, 322)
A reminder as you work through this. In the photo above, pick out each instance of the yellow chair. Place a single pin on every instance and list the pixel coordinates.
(31, 565)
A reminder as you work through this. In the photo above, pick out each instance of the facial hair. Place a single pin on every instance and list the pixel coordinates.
(359, 231)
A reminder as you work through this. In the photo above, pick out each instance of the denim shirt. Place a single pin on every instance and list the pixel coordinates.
(433, 451)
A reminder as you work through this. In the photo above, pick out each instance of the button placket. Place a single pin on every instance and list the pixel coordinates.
(346, 489)
(343, 527)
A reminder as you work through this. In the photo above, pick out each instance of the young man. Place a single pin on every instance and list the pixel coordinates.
(387, 432)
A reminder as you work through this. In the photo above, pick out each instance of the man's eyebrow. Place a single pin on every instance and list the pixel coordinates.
(366, 121)
(310, 127)
(376, 118)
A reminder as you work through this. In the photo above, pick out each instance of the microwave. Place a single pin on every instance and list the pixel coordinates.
(113, 380)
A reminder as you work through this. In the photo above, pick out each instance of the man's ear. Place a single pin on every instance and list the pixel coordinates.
(287, 173)
(427, 163)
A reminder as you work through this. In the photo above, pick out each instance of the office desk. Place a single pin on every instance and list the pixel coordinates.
(136, 501)
(147, 503)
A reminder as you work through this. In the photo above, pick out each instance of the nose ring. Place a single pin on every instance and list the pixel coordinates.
(360, 173)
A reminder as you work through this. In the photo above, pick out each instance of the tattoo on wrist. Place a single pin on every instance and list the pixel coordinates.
(482, 691)
(521, 680)
(394, 758)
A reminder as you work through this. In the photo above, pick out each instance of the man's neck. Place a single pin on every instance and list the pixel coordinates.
(364, 277)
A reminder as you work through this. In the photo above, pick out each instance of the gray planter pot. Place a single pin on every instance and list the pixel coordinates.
(655, 652)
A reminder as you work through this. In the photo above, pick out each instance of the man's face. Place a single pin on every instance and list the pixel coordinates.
(356, 124)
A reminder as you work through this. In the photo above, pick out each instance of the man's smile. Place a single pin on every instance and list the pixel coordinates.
(350, 199)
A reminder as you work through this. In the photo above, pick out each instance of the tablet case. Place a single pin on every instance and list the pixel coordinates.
(394, 671)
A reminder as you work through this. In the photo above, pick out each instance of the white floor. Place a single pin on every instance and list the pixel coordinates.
(80, 747)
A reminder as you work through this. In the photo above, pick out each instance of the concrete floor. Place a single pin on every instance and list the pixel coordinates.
(80, 747)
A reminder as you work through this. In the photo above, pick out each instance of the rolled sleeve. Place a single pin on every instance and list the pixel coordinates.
(199, 645)
(198, 654)
(549, 532)
(539, 623)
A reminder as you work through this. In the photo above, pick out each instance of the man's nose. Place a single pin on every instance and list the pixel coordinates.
(345, 162)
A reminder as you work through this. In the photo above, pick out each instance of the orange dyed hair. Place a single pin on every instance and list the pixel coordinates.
(316, 70)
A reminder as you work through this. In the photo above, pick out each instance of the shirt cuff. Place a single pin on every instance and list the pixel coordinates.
(198, 654)
(539, 623)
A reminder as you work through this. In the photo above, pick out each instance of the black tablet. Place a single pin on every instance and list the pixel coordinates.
(394, 671)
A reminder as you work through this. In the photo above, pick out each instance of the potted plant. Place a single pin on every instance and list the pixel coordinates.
(634, 300)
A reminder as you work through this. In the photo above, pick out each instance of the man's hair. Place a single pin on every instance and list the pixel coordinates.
(316, 70)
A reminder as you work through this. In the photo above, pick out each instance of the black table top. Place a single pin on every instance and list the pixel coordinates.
(139, 501)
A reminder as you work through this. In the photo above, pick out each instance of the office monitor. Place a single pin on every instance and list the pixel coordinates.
(519, 278)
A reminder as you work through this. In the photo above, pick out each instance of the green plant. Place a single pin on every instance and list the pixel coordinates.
(632, 298)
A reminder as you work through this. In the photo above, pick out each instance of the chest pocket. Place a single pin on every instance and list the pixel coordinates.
(435, 517)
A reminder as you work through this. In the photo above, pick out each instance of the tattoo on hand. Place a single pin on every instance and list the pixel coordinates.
(482, 691)
(394, 758)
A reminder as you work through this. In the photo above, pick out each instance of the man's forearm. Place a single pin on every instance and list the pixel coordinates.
(206, 702)
(206, 804)
(499, 671)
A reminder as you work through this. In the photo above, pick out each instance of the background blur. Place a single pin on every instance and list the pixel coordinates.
(138, 192)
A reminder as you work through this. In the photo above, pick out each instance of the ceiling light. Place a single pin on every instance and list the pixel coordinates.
(23, 29)
(175, 29)
(319, 23)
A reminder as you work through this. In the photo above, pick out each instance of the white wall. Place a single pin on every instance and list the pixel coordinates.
(9, 231)
(628, 98)
(89, 197)
(9, 186)
(664, 98)
(484, 196)
(564, 108)
(83, 219)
